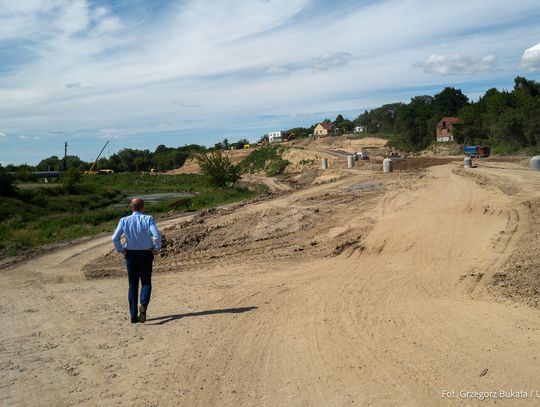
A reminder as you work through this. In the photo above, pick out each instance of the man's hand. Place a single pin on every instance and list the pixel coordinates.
(155, 252)
(124, 252)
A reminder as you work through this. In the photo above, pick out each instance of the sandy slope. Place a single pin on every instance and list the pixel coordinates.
(388, 307)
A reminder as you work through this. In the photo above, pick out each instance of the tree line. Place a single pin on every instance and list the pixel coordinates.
(507, 120)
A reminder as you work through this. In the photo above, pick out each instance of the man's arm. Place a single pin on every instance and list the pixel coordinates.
(116, 237)
(156, 236)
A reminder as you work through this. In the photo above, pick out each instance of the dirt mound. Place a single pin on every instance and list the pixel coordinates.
(306, 154)
(443, 149)
(257, 232)
(520, 278)
(347, 142)
(191, 166)
(301, 159)
(416, 163)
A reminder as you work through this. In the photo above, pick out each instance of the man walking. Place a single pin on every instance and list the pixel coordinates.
(143, 240)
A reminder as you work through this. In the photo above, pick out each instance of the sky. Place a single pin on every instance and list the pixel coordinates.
(143, 73)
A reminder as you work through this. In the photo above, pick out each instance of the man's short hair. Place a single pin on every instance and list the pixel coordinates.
(137, 204)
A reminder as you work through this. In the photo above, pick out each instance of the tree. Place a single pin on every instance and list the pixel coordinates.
(345, 126)
(162, 149)
(381, 119)
(470, 129)
(6, 183)
(72, 161)
(71, 180)
(529, 88)
(218, 169)
(449, 101)
(415, 122)
(300, 132)
(52, 163)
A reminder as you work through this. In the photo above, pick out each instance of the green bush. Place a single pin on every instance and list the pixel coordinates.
(71, 180)
(267, 159)
(6, 184)
(39, 216)
(218, 169)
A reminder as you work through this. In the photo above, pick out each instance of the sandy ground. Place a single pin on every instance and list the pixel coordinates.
(364, 289)
(306, 153)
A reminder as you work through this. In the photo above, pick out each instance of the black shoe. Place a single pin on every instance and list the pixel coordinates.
(135, 321)
(142, 313)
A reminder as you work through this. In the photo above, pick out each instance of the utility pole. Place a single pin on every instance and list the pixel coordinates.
(65, 156)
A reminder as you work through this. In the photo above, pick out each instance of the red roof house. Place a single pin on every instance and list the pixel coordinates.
(323, 129)
(445, 128)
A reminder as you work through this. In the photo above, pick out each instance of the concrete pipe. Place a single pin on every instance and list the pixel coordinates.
(324, 163)
(535, 163)
(350, 161)
(387, 165)
(467, 162)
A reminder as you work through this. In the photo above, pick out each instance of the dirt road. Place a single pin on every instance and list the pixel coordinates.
(370, 290)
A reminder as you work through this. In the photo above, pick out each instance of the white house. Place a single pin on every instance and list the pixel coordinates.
(276, 136)
(360, 129)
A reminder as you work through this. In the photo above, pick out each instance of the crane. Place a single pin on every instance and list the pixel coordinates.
(92, 168)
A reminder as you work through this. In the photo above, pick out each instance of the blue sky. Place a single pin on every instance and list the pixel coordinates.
(144, 73)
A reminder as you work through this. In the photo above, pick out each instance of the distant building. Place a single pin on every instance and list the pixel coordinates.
(276, 136)
(445, 129)
(323, 129)
(360, 129)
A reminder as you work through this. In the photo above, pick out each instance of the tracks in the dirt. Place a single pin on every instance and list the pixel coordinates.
(395, 318)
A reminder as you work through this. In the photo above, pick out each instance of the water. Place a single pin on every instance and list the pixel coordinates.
(154, 198)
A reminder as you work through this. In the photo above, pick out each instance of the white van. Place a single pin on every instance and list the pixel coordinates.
(362, 155)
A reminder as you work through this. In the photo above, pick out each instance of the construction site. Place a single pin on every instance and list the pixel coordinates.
(342, 286)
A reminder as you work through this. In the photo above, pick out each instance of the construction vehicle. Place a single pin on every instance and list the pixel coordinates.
(477, 151)
(92, 170)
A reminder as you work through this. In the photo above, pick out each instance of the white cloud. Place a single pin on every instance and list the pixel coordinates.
(331, 60)
(187, 104)
(457, 64)
(228, 63)
(77, 85)
(3, 135)
(276, 70)
(531, 58)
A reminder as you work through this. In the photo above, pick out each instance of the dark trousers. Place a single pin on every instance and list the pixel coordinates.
(139, 266)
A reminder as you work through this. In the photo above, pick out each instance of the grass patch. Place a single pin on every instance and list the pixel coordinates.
(38, 216)
(267, 160)
(147, 182)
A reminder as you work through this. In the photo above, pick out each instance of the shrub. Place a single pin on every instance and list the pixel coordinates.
(218, 169)
(6, 184)
(266, 159)
(71, 180)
